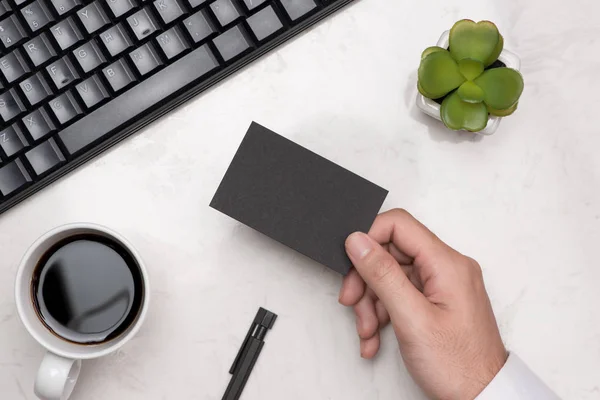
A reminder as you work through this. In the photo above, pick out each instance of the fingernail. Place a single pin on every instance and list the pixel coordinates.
(359, 245)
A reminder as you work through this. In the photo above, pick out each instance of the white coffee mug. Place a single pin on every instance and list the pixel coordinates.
(60, 367)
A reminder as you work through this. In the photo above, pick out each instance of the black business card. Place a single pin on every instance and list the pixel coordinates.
(297, 197)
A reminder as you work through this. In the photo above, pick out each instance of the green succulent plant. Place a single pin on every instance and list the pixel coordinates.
(465, 78)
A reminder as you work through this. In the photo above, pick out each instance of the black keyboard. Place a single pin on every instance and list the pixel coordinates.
(77, 76)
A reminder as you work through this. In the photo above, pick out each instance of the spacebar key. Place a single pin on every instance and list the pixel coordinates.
(138, 99)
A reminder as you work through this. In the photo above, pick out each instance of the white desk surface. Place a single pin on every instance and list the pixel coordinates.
(525, 203)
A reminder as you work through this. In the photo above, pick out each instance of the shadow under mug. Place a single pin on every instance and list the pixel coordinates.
(61, 365)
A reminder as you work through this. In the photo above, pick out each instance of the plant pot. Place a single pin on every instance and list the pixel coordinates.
(431, 108)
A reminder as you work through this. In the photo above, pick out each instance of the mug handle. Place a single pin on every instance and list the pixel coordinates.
(56, 377)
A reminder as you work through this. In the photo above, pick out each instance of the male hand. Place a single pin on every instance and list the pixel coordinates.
(435, 299)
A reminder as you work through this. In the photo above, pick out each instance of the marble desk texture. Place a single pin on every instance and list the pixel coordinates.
(525, 203)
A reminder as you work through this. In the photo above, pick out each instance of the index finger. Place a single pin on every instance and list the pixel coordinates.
(410, 236)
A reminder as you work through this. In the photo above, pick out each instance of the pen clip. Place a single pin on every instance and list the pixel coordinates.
(263, 318)
(239, 354)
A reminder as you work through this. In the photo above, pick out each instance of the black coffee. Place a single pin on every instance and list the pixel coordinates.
(87, 289)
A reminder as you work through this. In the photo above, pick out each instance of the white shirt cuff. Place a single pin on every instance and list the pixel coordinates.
(516, 381)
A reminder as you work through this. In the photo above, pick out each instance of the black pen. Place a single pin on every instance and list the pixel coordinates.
(249, 352)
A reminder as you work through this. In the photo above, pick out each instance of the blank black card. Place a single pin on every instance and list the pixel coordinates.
(297, 197)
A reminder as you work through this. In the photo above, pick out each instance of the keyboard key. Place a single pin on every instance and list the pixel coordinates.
(225, 11)
(264, 23)
(138, 99)
(65, 108)
(10, 105)
(12, 177)
(4, 8)
(13, 66)
(12, 140)
(298, 8)
(66, 33)
(169, 10)
(199, 26)
(118, 75)
(11, 31)
(115, 40)
(232, 43)
(171, 42)
(196, 3)
(38, 124)
(252, 4)
(91, 91)
(64, 6)
(62, 72)
(39, 50)
(120, 7)
(142, 23)
(45, 157)
(92, 17)
(36, 15)
(35, 88)
(145, 59)
(89, 56)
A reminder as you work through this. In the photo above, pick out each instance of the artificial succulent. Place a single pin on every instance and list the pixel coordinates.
(461, 77)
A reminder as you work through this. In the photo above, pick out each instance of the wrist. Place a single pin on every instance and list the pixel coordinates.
(479, 378)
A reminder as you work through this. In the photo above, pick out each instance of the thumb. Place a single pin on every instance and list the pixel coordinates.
(386, 278)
